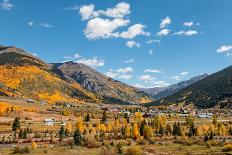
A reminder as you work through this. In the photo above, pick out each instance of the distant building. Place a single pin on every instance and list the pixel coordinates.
(49, 122)
(30, 101)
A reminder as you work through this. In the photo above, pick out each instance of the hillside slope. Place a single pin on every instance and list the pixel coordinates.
(177, 87)
(215, 89)
(24, 75)
(111, 90)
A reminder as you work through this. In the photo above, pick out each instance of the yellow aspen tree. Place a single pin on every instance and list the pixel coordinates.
(135, 131)
(127, 132)
(79, 126)
(69, 127)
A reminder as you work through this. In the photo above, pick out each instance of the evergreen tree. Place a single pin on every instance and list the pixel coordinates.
(206, 138)
(16, 124)
(161, 130)
(192, 130)
(62, 132)
(230, 131)
(25, 134)
(77, 138)
(211, 135)
(141, 129)
(168, 130)
(104, 117)
(66, 132)
(20, 134)
(87, 118)
(176, 129)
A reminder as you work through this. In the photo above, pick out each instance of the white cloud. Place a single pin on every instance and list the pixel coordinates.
(125, 76)
(181, 75)
(153, 41)
(137, 85)
(188, 24)
(6, 5)
(184, 73)
(166, 21)
(75, 8)
(224, 49)
(125, 70)
(159, 84)
(111, 74)
(103, 28)
(163, 32)
(73, 58)
(132, 44)
(186, 33)
(146, 78)
(46, 25)
(151, 52)
(30, 23)
(35, 54)
(87, 11)
(177, 78)
(93, 62)
(121, 73)
(129, 61)
(119, 11)
(105, 23)
(133, 31)
(152, 71)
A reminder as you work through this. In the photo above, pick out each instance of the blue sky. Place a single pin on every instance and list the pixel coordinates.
(140, 42)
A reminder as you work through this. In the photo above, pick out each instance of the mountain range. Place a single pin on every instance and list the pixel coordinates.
(24, 75)
(172, 89)
(213, 90)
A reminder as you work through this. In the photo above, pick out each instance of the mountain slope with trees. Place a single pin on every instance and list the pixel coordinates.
(215, 89)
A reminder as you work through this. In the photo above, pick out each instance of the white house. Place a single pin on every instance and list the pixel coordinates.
(49, 121)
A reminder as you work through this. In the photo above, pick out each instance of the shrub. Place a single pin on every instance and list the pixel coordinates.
(108, 151)
(90, 142)
(21, 149)
(34, 146)
(133, 150)
(228, 148)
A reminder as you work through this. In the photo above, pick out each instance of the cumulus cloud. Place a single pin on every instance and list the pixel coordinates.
(184, 73)
(137, 85)
(153, 41)
(152, 71)
(103, 28)
(111, 74)
(92, 62)
(30, 23)
(181, 75)
(6, 5)
(186, 33)
(126, 77)
(133, 31)
(224, 49)
(119, 11)
(163, 32)
(166, 21)
(151, 52)
(146, 78)
(129, 61)
(132, 44)
(125, 70)
(103, 24)
(121, 73)
(46, 25)
(159, 84)
(188, 24)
